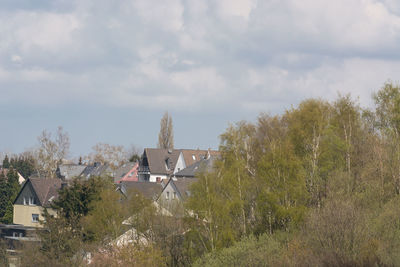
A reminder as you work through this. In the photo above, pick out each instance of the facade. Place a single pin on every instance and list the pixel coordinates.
(35, 195)
(174, 194)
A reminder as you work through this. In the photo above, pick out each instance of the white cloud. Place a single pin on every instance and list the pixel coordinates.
(234, 55)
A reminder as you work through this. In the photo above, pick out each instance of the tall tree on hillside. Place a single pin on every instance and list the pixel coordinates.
(166, 135)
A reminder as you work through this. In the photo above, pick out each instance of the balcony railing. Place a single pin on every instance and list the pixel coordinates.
(144, 169)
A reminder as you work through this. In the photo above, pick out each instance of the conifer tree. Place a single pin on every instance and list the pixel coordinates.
(6, 162)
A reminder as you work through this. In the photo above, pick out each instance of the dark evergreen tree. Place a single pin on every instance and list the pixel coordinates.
(25, 165)
(6, 162)
(4, 197)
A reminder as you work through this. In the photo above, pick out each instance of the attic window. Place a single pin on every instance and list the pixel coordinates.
(193, 157)
(31, 201)
(167, 195)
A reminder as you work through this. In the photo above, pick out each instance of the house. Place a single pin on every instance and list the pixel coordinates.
(127, 172)
(191, 155)
(158, 164)
(69, 171)
(97, 169)
(175, 193)
(150, 191)
(35, 195)
(205, 164)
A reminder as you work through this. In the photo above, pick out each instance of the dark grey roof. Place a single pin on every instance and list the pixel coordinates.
(158, 159)
(202, 165)
(69, 171)
(45, 189)
(148, 189)
(96, 169)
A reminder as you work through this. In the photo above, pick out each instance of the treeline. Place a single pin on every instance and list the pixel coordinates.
(316, 186)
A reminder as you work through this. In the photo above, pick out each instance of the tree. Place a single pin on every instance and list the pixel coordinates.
(110, 154)
(6, 162)
(52, 151)
(166, 135)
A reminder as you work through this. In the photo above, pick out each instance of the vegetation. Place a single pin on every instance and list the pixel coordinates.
(166, 134)
(316, 186)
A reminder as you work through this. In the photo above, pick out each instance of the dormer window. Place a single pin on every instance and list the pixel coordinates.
(166, 165)
(25, 202)
(31, 201)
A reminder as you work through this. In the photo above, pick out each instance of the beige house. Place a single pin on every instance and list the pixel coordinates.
(35, 195)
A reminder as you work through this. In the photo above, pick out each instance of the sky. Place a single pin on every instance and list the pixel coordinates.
(108, 70)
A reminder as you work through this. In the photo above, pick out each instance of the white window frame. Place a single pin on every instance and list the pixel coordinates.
(25, 202)
(34, 215)
(31, 201)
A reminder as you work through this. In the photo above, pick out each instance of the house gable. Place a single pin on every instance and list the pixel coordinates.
(26, 192)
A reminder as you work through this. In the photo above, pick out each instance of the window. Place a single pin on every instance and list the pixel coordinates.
(167, 195)
(174, 195)
(15, 234)
(21, 235)
(25, 202)
(193, 157)
(158, 179)
(35, 217)
(31, 201)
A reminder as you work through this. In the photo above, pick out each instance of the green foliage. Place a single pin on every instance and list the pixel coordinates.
(3, 253)
(74, 201)
(6, 162)
(25, 165)
(9, 188)
(250, 251)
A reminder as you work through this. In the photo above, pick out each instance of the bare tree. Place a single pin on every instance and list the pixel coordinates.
(52, 151)
(110, 154)
(166, 135)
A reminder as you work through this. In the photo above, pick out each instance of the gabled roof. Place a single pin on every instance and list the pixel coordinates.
(183, 186)
(202, 165)
(193, 155)
(69, 171)
(123, 170)
(161, 161)
(148, 189)
(45, 189)
(96, 169)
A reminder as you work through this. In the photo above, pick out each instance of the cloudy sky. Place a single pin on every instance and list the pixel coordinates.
(107, 70)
